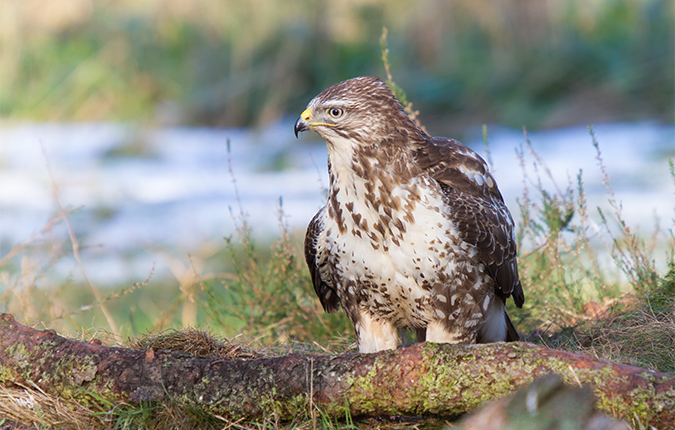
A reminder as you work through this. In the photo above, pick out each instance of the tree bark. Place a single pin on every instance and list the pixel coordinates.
(423, 379)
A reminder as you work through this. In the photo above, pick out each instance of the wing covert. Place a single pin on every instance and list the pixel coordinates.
(477, 209)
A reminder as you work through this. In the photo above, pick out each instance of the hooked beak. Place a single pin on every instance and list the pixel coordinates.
(302, 123)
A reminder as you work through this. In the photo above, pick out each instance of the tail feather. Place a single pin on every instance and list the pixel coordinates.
(511, 333)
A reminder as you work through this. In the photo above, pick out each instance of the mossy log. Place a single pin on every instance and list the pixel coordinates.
(423, 379)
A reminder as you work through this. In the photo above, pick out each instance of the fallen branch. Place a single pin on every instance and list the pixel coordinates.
(419, 380)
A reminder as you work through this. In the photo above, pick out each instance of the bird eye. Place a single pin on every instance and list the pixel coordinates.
(335, 112)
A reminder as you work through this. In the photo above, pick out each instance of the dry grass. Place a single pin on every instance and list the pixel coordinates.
(196, 342)
(33, 407)
(638, 329)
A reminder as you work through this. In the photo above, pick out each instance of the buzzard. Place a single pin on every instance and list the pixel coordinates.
(415, 233)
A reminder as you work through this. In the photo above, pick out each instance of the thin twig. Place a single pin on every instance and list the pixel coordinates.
(76, 246)
(311, 393)
(487, 152)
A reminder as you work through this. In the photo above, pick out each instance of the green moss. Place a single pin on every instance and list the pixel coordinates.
(455, 379)
(446, 383)
(635, 406)
(6, 375)
(79, 371)
(24, 361)
(624, 407)
(363, 393)
(285, 409)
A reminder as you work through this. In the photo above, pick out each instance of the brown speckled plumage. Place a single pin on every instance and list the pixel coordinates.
(415, 232)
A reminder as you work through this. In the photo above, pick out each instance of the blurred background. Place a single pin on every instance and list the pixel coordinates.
(163, 127)
(538, 64)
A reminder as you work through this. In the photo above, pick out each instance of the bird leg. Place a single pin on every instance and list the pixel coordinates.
(421, 334)
(440, 333)
(374, 334)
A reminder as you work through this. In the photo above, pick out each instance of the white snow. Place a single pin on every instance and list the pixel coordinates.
(181, 194)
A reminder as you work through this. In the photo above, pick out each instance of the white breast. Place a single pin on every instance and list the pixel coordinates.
(394, 268)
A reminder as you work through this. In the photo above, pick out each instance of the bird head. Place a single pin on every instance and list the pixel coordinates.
(357, 109)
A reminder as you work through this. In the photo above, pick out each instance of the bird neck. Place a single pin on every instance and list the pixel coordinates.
(351, 165)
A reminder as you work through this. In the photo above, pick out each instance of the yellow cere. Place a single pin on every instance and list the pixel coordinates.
(306, 115)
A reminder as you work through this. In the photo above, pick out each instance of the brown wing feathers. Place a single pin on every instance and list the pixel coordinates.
(327, 294)
(477, 207)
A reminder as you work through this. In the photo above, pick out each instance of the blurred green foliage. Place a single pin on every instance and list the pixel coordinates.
(227, 63)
